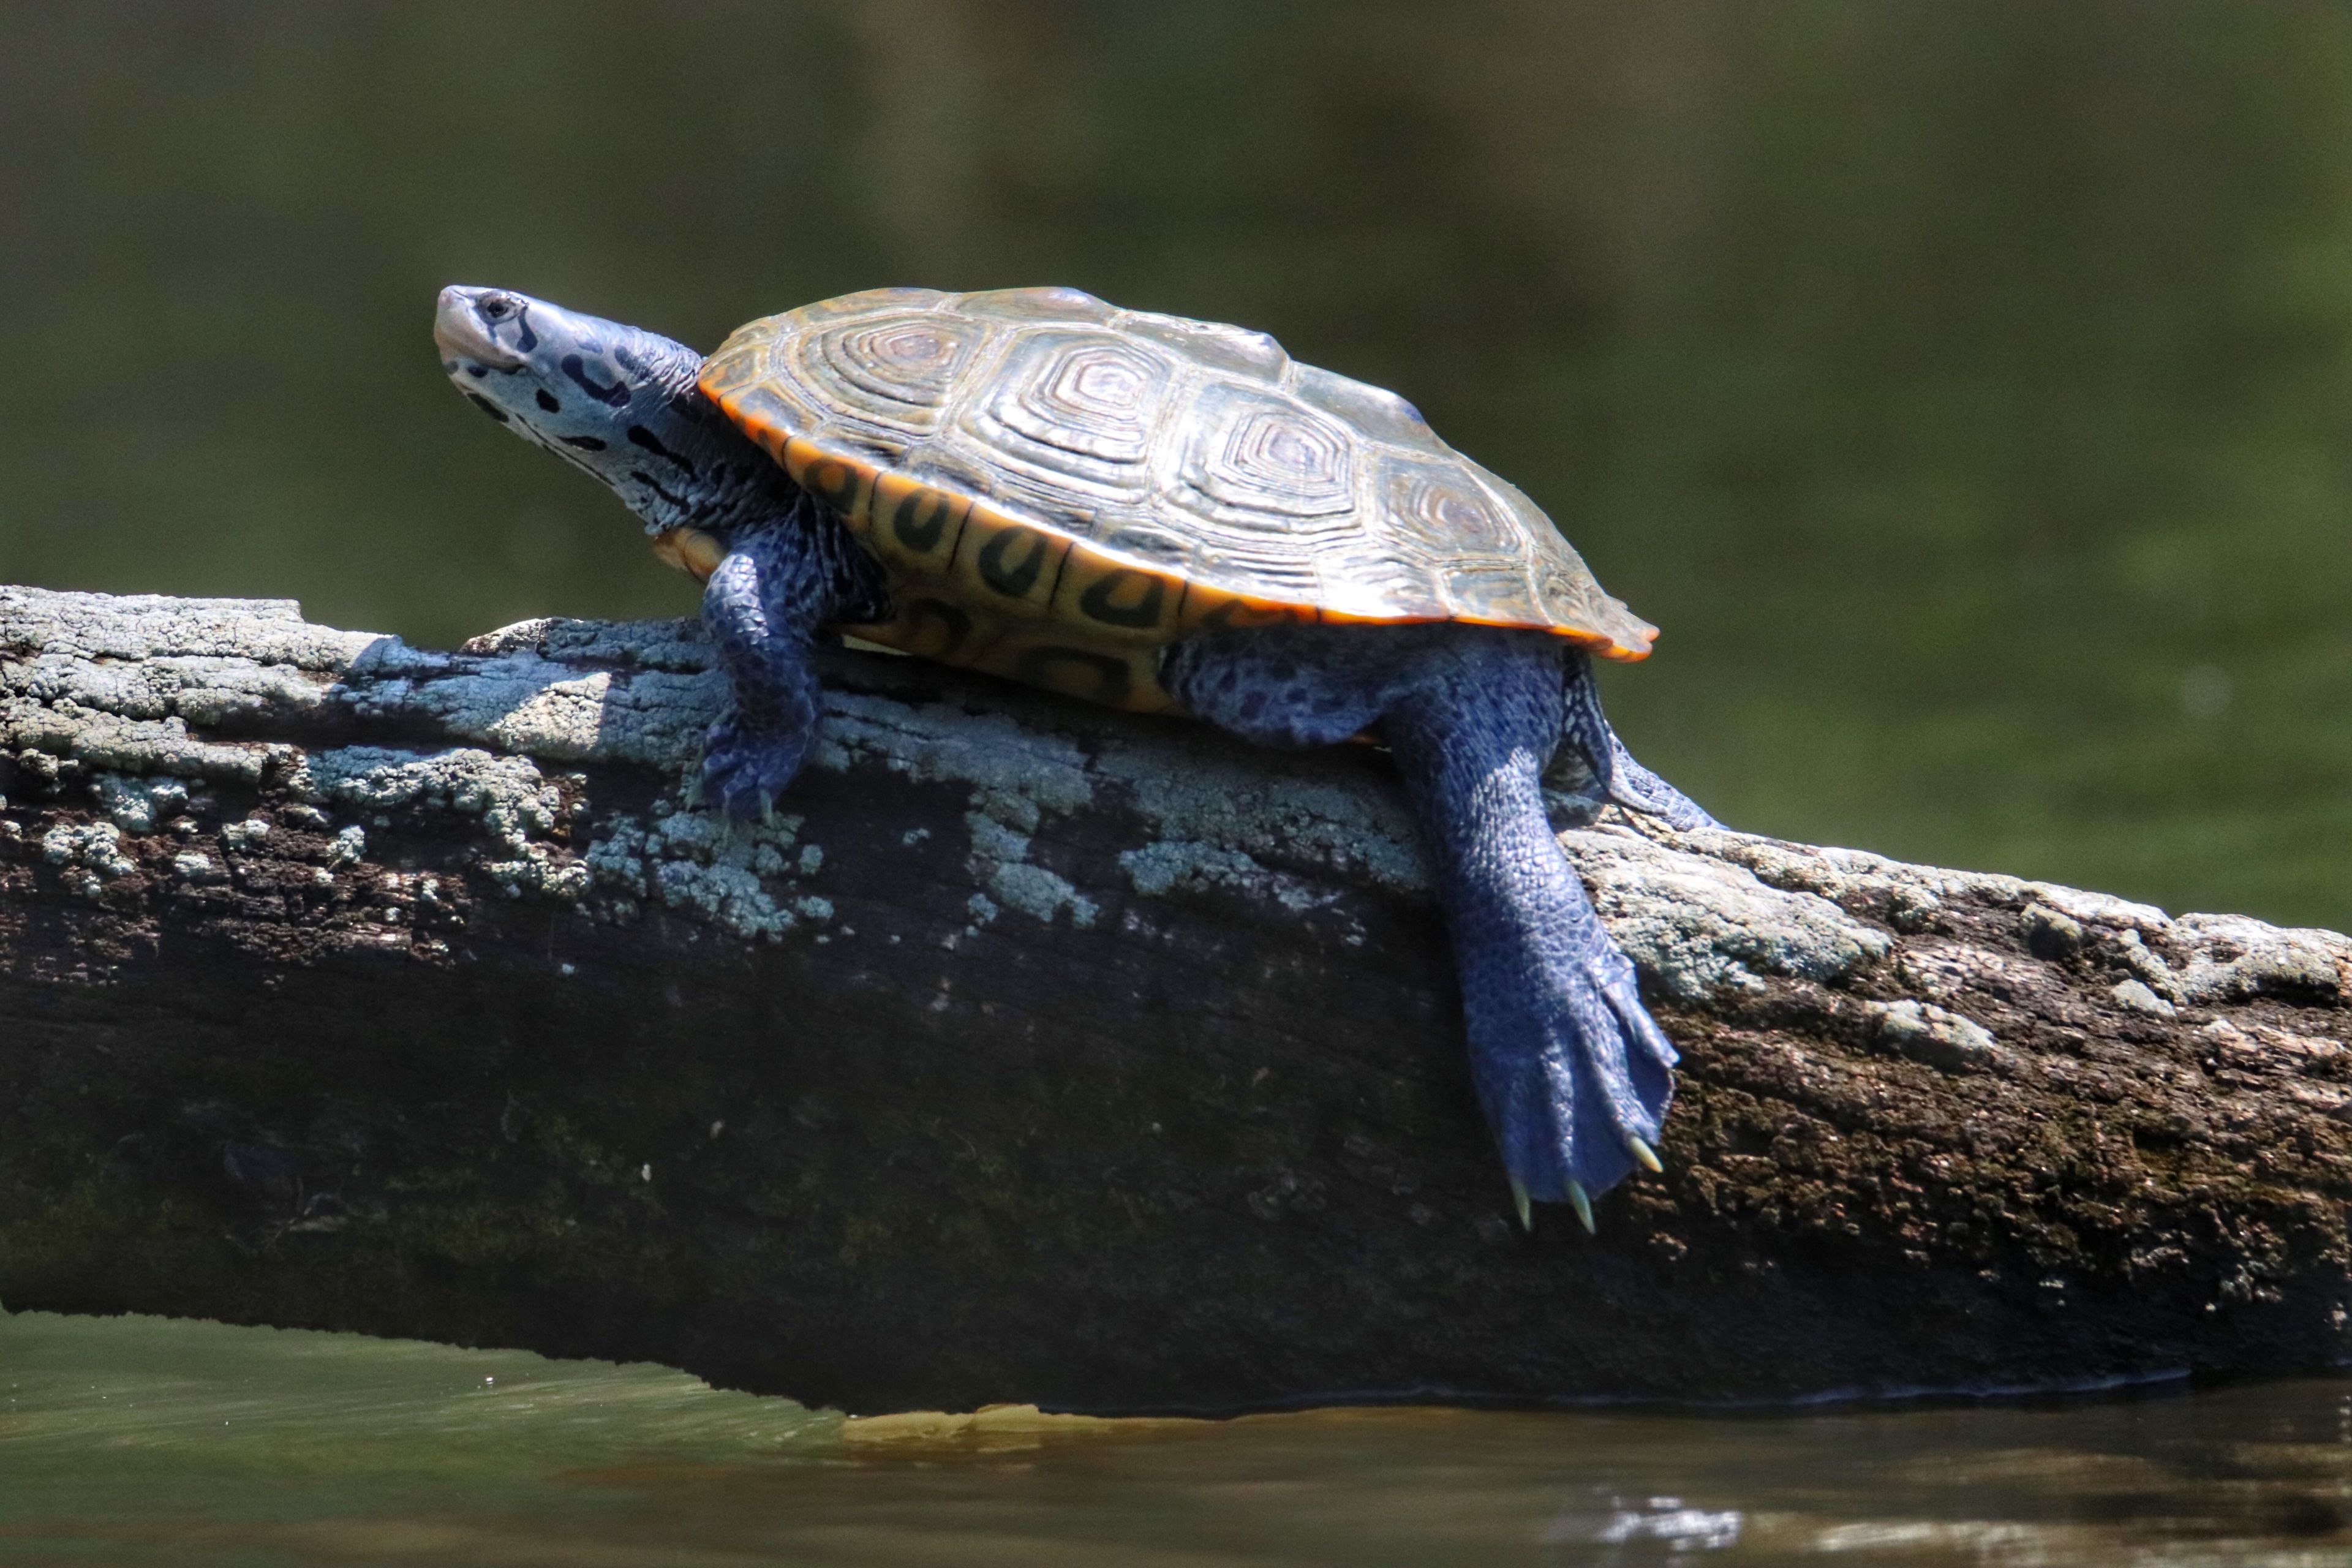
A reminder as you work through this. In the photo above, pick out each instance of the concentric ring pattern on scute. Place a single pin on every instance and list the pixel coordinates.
(1036, 465)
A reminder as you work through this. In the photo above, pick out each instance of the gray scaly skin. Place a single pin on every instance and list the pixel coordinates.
(1574, 1075)
(622, 405)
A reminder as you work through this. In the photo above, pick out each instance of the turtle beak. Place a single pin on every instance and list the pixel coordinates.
(462, 333)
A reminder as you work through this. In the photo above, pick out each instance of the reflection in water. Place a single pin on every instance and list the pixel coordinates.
(137, 1440)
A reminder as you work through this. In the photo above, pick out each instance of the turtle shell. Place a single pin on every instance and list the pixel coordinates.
(1058, 489)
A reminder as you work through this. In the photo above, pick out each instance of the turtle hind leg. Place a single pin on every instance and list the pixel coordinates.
(1573, 1073)
(1291, 686)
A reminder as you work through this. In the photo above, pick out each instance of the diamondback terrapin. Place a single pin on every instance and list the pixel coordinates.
(1160, 514)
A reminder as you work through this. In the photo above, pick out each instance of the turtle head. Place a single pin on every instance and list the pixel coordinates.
(615, 400)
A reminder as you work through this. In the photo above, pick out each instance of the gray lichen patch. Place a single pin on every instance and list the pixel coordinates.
(2052, 933)
(1180, 864)
(195, 866)
(513, 799)
(89, 854)
(1699, 926)
(2129, 952)
(1000, 858)
(1855, 880)
(517, 806)
(138, 804)
(2136, 996)
(1017, 777)
(1316, 810)
(675, 645)
(138, 626)
(2099, 910)
(1942, 1039)
(1859, 880)
(348, 847)
(704, 866)
(523, 703)
(1039, 893)
(103, 740)
(117, 683)
(992, 842)
(2225, 958)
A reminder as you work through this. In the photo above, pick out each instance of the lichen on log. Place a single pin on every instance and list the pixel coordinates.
(1042, 1054)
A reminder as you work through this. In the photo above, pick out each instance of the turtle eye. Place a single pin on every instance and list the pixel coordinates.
(499, 307)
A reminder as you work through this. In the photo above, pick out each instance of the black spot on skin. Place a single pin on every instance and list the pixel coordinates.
(547, 401)
(449, 366)
(487, 407)
(641, 436)
(477, 370)
(617, 394)
(525, 339)
(654, 485)
(585, 443)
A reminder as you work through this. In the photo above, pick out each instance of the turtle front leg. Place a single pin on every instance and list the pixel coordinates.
(762, 610)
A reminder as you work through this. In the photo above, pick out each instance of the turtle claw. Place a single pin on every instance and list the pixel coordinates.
(1519, 1201)
(1574, 1073)
(1582, 1204)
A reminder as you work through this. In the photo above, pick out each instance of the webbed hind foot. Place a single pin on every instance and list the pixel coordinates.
(1574, 1073)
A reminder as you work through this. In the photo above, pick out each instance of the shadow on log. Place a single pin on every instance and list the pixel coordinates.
(1045, 1054)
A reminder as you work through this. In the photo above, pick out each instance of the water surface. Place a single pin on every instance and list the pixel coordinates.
(142, 1440)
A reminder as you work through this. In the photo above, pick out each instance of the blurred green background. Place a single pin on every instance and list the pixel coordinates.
(1966, 387)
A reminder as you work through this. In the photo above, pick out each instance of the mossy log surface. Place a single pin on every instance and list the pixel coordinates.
(1045, 1054)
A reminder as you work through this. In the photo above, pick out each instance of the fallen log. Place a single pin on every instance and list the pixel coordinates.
(1041, 1053)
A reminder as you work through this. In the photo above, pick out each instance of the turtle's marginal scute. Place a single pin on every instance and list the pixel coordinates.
(987, 447)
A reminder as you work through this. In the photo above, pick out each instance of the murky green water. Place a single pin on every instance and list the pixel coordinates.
(139, 1441)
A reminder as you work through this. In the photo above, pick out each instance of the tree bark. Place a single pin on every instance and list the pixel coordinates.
(1042, 1053)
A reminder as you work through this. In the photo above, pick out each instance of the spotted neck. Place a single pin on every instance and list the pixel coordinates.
(616, 401)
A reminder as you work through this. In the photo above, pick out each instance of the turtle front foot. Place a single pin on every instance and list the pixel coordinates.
(1575, 1074)
(745, 767)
